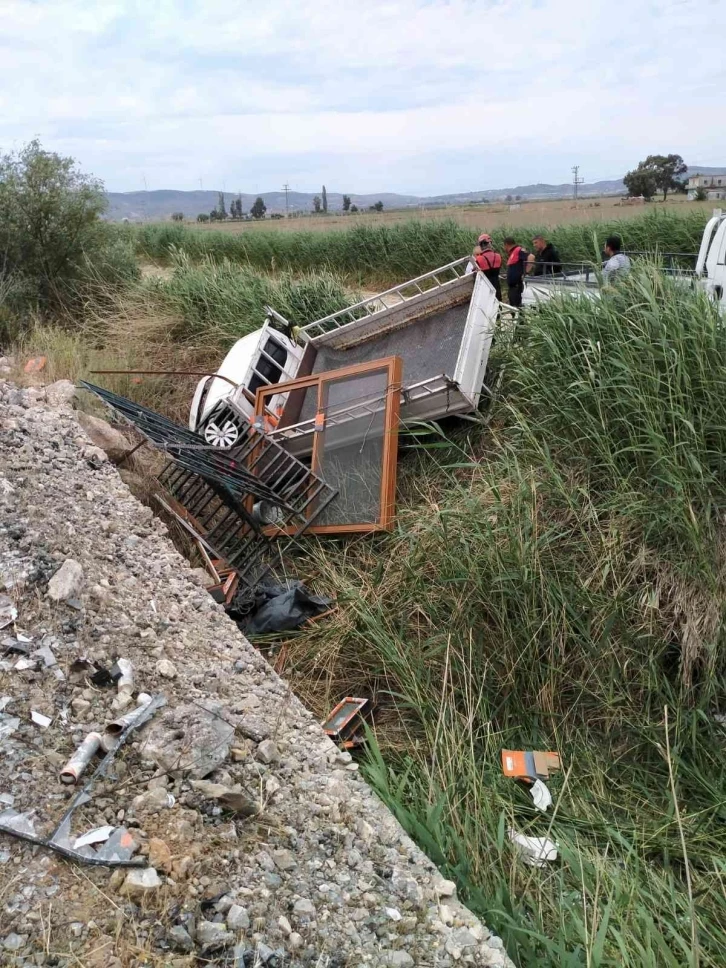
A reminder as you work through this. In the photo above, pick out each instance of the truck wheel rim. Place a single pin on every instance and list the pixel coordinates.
(223, 436)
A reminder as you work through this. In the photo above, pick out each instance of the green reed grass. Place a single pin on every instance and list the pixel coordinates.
(380, 253)
(556, 580)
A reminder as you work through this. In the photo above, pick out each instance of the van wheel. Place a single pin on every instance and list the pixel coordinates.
(223, 435)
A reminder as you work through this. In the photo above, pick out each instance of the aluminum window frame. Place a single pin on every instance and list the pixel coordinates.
(392, 366)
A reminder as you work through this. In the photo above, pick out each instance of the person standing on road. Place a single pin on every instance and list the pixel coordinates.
(618, 264)
(517, 260)
(489, 262)
(547, 260)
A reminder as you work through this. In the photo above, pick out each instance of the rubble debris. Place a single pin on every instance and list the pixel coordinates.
(20, 825)
(81, 758)
(140, 882)
(40, 720)
(66, 583)
(193, 740)
(535, 851)
(349, 849)
(166, 669)
(281, 608)
(234, 799)
(8, 725)
(8, 611)
(344, 725)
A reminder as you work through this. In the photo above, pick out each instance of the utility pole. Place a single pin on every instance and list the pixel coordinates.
(286, 189)
(576, 180)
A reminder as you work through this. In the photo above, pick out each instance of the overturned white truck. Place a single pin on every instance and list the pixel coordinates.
(440, 325)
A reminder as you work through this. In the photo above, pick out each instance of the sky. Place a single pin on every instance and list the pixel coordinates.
(413, 96)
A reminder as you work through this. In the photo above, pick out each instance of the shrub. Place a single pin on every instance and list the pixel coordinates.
(49, 222)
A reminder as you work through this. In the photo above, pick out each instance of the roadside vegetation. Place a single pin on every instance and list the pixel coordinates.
(556, 581)
(556, 578)
(386, 254)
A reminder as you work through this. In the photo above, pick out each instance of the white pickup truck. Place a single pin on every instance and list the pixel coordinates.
(709, 272)
(440, 324)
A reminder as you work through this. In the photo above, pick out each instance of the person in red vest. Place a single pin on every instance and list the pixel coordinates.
(518, 260)
(489, 262)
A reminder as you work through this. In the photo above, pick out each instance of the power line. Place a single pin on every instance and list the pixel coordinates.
(576, 180)
(286, 189)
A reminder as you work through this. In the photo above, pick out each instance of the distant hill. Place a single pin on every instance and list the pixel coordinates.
(156, 205)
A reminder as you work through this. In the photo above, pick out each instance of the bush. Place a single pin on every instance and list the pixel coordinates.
(57, 252)
(49, 222)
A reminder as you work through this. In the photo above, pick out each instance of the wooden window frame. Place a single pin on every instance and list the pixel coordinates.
(393, 367)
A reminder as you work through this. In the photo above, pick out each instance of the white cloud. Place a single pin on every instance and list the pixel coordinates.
(371, 93)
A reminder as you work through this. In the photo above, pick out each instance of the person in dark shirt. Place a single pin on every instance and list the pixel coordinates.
(489, 262)
(517, 259)
(547, 260)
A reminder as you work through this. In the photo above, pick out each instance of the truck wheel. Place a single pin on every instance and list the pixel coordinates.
(223, 435)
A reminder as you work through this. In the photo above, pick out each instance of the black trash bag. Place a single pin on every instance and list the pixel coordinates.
(281, 608)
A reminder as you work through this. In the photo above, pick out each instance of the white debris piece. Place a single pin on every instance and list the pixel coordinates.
(535, 851)
(40, 720)
(8, 611)
(97, 836)
(541, 795)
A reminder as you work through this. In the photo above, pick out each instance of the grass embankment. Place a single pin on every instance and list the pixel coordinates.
(186, 321)
(557, 580)
(384, 254)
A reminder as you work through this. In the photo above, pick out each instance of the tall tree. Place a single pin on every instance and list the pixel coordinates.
(346, 203)
(661, 172)
(640, 181)
(316, 203)
(325, 200)
(221, 210)
(259, 208)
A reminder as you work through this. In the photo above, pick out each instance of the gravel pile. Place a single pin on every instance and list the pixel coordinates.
(263, 846)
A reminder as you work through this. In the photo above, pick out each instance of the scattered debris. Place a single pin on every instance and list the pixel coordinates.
(20, 825)
(529, 766)
(8, 611)
(535, 851)
(541, 795)
(81, 758)
(123, 674)
(233, 799)
(281, 608)
(35, 364)
(40, 720)
(98, 836)
(344, 725)
(193, 739)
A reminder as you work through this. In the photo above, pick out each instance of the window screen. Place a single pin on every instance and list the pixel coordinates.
(349, 418)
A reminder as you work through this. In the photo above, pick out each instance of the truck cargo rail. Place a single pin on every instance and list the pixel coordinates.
(437, 279)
